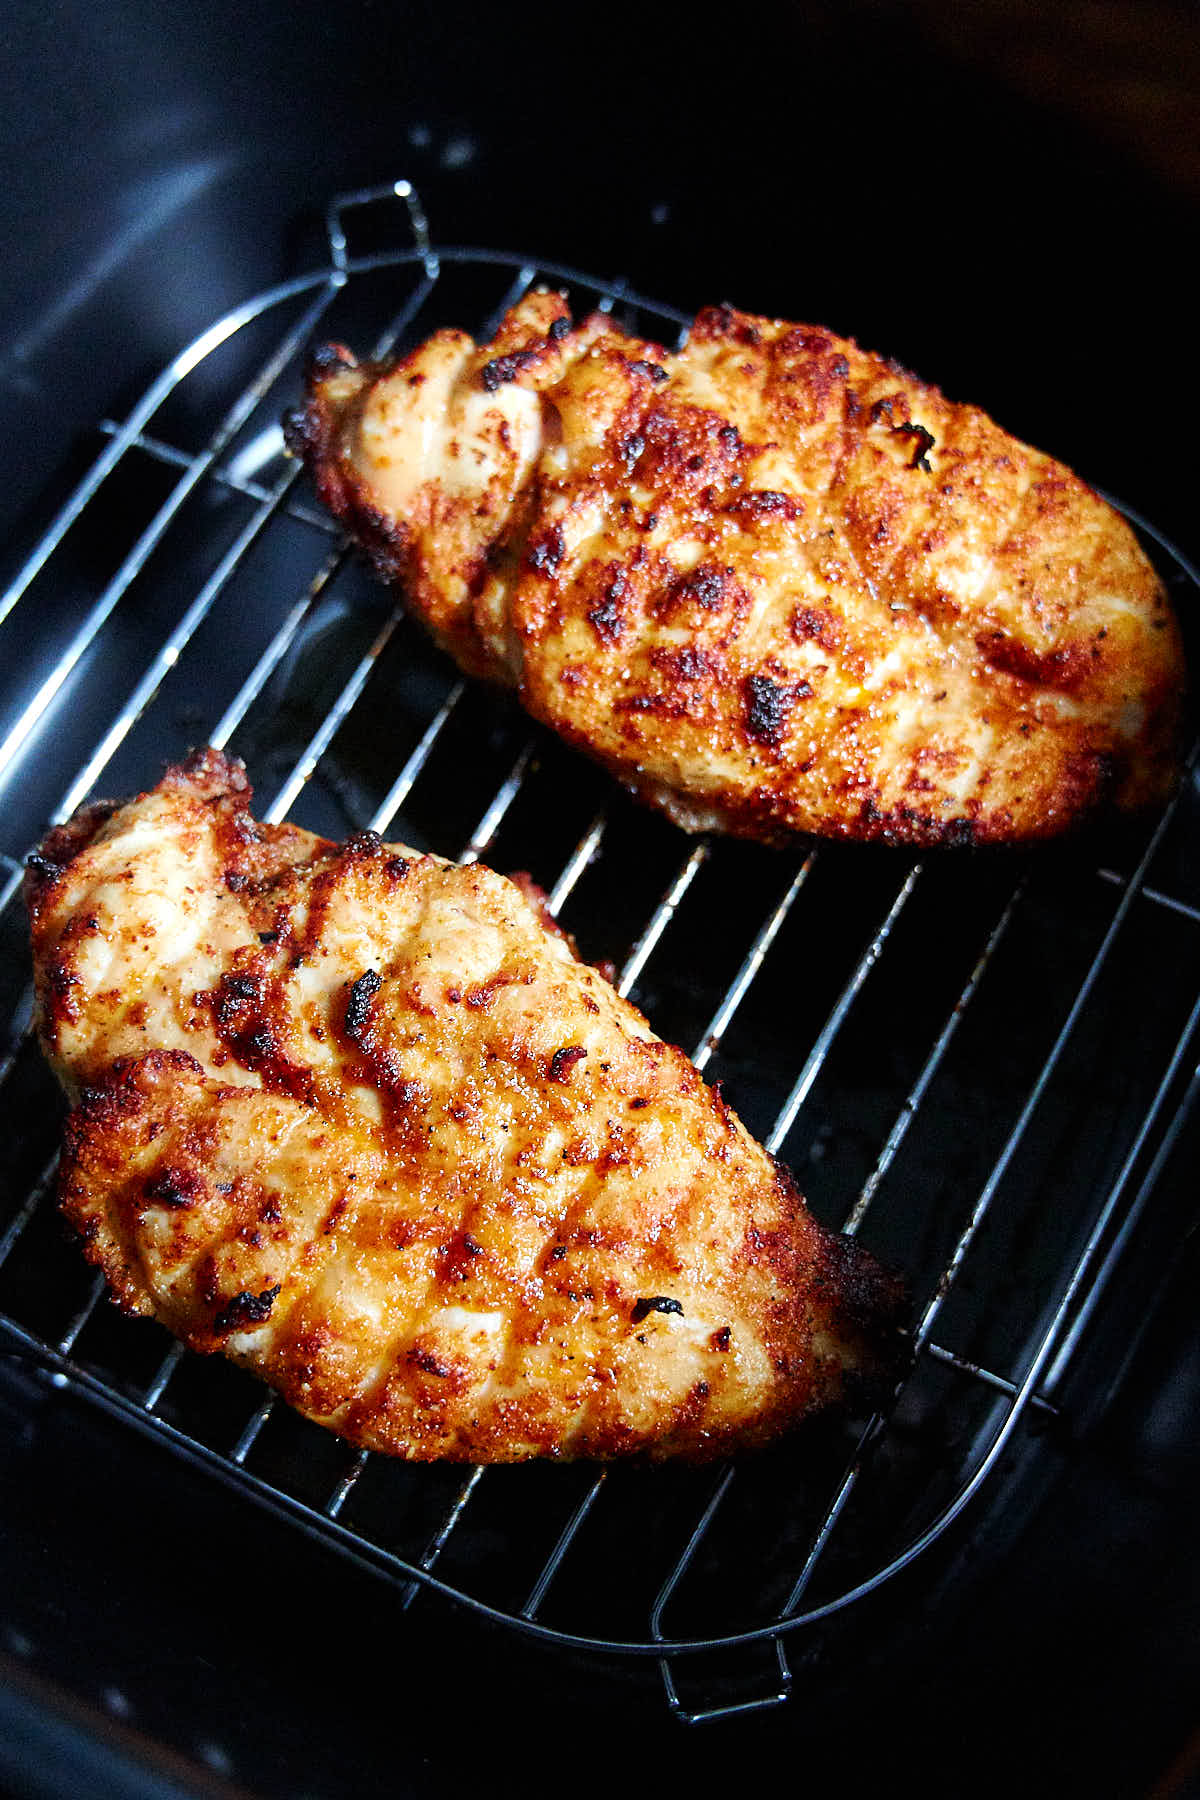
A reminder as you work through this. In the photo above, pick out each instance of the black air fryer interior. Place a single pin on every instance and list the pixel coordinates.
(984, 1062)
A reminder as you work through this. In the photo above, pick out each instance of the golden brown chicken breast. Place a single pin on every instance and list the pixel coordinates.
(772, 582)
(357, 1118)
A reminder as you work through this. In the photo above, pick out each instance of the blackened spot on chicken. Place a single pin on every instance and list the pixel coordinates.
(631, 449)
(925, 443)
(660, 1303)
(304, 430)
(654, 370)
(666, 706)
(562, 1062)
(246, 1309)
(61, 982)
(235, 881)
(268, 937)
(235, 992)
(688, 664)
(706, 585)
(765, 503)
(559, 329)
(505, 368)
(904, 824)
(721, 1338)
(245, 1012)
(60, 850)
(607, 617)
(363, 843)
(175, 1188)
(886, 409)
(326, 358)
(546, 554)
(802, 340)
(397, 867)
(810, 625)
(768, 704)
(840, 367)
(358, 1008)
(259, 1046)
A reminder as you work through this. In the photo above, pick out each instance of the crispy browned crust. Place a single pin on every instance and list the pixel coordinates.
(141, 1138)
(320, 1153)
(59, 849)
(313, 432)
(776, 584)
(442, 544)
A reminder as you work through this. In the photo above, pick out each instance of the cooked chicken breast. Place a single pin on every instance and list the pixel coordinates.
(775, 584)
(361, 1119)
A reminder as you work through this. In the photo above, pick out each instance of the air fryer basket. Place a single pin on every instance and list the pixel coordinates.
(972, 1060)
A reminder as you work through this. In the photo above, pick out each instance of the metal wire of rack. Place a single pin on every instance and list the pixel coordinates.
(895, 1076)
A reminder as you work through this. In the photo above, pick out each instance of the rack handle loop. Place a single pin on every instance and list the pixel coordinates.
(392, 190)
(776, 1693)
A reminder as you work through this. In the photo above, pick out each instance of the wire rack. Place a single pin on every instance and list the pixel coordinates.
(972, 1061)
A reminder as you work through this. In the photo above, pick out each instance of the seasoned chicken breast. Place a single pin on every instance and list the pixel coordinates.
(774, 583)
(361, 1119)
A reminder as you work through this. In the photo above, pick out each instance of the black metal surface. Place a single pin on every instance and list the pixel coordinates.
(320, 1692)
(1008, 1622)
(732, 1563)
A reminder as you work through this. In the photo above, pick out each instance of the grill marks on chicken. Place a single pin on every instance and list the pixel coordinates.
(356, 1118)
(772, 582)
